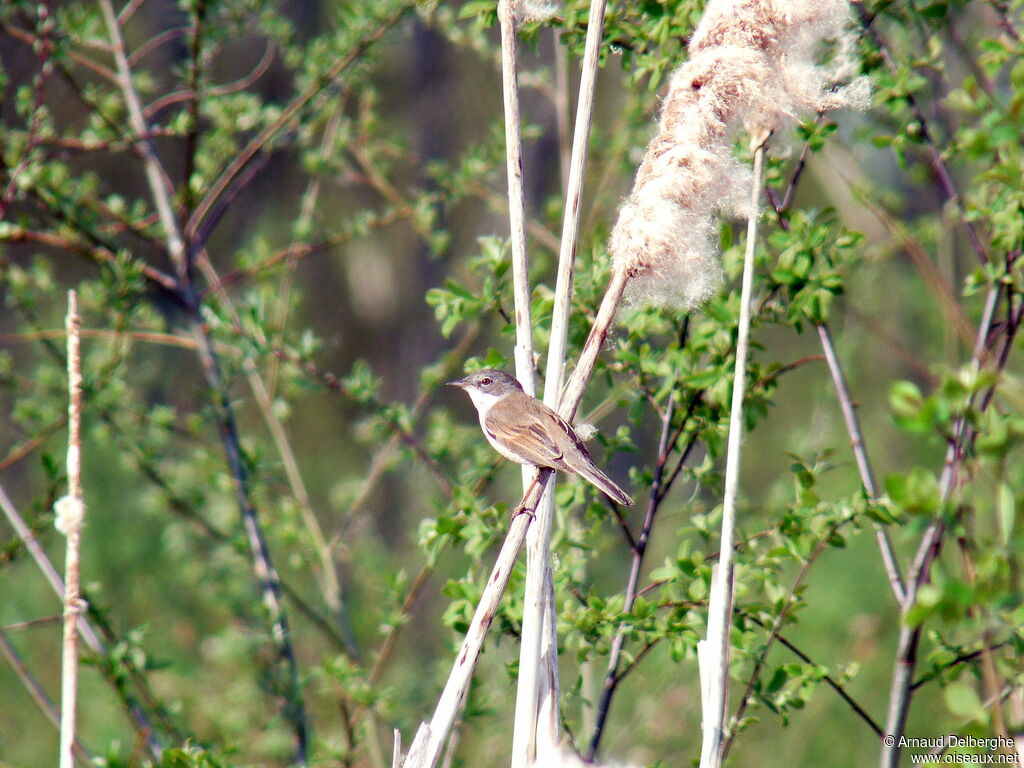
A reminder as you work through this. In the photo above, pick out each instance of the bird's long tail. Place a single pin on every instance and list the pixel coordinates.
(603, 483)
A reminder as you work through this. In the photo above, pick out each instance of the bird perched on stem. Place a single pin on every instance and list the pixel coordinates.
(521, 428)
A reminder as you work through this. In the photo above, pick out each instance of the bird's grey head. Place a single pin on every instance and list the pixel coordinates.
(490, 382)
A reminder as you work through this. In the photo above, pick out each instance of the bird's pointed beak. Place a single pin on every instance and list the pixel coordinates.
(460, 383)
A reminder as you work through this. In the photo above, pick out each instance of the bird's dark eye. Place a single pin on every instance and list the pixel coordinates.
(485, 381)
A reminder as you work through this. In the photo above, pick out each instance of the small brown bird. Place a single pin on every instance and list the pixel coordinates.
(521, 428)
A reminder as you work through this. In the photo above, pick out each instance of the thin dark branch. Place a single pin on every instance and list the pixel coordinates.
(960, 443)
(666, 443)
(776, 627)
(263, 566)
(1002, 10)
(798, 171)
(624, 525)
(337, 385)
(831, 681)
(648, 647)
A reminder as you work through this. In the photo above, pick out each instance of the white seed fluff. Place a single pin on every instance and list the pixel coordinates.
(753, 66)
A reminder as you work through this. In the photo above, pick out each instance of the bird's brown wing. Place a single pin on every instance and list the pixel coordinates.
(531, 429)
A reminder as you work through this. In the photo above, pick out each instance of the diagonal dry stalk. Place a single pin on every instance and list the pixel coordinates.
(714, 656)
(430, 738)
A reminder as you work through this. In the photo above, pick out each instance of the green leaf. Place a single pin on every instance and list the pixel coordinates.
(962, 700)
(915, 493)
(1006, 512)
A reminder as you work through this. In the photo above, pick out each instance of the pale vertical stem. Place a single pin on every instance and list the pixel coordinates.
(72, 529)
(561, 104)
(516, 203)
(521, 290)
(715, 674)
(538, 664)
(85, 629)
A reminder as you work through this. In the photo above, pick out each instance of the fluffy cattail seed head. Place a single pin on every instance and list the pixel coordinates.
(752, 66)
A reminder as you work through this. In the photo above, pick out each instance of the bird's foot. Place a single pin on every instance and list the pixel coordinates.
(522, 509)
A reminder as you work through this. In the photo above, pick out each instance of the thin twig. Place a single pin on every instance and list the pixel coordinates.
(773, 632)
(889, 558)
(44, 50)
(307, 208)
(329, 585)
(155, 175)
(37, 692)
(829, 680)
(1002, 9)
(17, 234)
(846, 404)
(939, 166)
(260, 141)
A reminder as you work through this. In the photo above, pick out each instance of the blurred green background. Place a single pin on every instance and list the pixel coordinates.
(391, 204)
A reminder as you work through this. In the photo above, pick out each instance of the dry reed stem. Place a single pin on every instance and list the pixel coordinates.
(516, 204)
(70, 514)
(715, 672)
(537, 721)
(85, 628)
(525, 711)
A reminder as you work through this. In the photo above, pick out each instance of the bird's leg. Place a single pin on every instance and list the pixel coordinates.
(522, 509)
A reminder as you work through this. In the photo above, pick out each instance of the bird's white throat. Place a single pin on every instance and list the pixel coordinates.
(482, 400)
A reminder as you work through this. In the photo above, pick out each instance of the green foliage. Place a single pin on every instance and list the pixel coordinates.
(338, 179)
